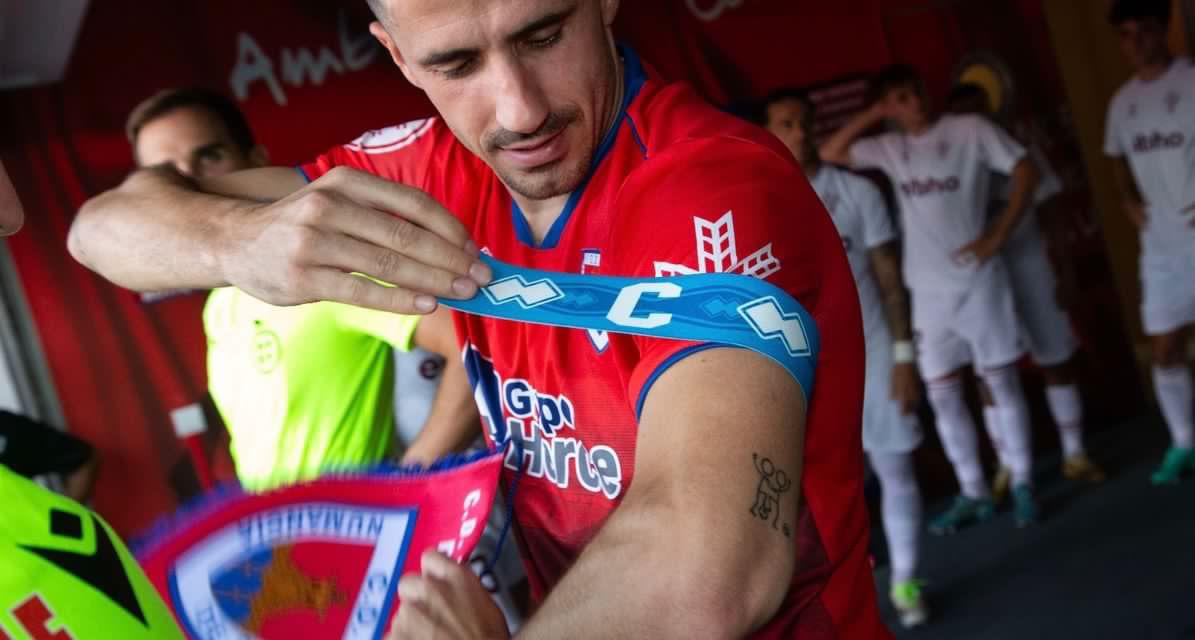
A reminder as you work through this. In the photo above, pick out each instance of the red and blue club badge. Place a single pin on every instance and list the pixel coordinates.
(317, 560)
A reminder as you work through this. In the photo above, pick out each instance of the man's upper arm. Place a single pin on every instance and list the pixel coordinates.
(728, 456)
(696, 211)
(398, 153)
(878, 229)
(1112, 143)
(1001, 151)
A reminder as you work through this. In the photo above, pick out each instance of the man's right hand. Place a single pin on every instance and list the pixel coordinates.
(1135, 209)
(312, 244)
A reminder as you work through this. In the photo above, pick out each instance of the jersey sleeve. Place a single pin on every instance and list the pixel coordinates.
(1050, 184)
(1000, 150)
(877, 224)
(399, 153)
(867, 153)
(729, 207)
(396, 330)
(1112, 144)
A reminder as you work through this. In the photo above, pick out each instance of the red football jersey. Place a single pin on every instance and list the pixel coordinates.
(677, 187)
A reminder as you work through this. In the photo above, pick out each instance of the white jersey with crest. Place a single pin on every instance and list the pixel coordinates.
(941, 179)
(861, 217)
(1152, 124)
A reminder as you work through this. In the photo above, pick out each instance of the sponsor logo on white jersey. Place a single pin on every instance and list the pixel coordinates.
(1158, 141)
(930, 186)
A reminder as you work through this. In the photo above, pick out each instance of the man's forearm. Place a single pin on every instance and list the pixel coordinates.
(453, 422)
(154, 232)
(1025, 177)
(837, 148)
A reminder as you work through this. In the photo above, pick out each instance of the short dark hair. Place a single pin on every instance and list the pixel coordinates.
(894, 76)
(786, 93)
(1123, 11)
(965, 92)
(213, 102)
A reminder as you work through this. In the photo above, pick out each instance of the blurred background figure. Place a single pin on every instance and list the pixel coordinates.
(1038, 294)
(963, 307)
(892, 391)
(1151, 140)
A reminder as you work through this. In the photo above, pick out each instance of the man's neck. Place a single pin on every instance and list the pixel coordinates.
(542, 214)
(811, 166)
(1157, 66)
(920, 126)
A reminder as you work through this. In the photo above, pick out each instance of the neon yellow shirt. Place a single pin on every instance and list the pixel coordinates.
(302, 389)
(61, 567)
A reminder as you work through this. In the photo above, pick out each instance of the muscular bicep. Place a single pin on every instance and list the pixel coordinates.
(724, 460)
(265, 184)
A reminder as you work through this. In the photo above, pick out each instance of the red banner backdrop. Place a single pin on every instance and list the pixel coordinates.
(308, 75)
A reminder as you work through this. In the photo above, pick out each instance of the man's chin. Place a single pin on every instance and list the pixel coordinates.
(544, 183)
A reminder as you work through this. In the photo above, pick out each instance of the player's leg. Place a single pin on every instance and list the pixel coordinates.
(1168, 308)
(1173, 386)
(1002, 478)
(1053, 344)
(1066, 407)
(941, 356)
(901, 512)
(990, 325)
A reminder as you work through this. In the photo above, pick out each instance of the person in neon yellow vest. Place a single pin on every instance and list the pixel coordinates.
(64, 574)
(303, 389)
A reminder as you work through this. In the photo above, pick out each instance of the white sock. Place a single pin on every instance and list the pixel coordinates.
(901, 509)
(1173, 386)
(1005, 385)
(956, 428)
(1067, 408)
(991, 423)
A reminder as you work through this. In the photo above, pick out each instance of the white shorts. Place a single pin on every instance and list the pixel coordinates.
(885, 428)
(1167, 291)
(1047, 328)
(952, 325)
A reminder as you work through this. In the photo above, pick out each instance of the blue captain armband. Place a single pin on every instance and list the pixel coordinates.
(720, 308)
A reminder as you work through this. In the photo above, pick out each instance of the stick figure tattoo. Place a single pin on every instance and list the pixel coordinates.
(772, 483)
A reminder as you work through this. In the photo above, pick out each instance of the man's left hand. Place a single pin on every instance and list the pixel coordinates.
(906, 389)
(980, 251)
(1190, 213)
(447, 602)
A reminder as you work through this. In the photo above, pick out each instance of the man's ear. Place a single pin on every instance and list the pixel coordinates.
(383, 37)
(259, 156)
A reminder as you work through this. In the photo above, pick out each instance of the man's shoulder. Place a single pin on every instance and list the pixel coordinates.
(960, 124)
(673, 123)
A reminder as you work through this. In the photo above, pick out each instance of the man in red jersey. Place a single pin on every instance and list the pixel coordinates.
(654, 498)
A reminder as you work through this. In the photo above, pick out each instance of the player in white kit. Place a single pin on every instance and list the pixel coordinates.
(1151, 138)
(962, 301)
(1047, 328)
(891, 393)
